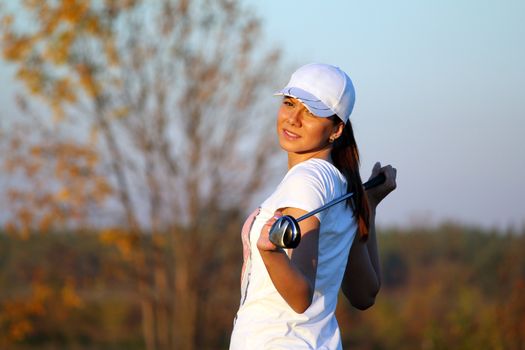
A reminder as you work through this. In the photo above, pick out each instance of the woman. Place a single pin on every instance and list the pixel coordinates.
(288, 297)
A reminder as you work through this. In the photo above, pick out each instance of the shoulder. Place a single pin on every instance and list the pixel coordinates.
(317, 172)
(307, 186)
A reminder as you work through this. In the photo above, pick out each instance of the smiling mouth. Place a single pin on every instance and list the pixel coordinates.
(290, 135)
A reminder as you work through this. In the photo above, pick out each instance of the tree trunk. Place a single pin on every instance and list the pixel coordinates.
(185, 294)
(162, 301)
(146, 306)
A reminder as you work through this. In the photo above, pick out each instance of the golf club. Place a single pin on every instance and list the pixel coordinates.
(285, 232)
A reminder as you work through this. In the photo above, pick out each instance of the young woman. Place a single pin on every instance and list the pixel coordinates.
(288, 297)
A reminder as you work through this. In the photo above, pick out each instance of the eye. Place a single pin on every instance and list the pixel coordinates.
(288, 102)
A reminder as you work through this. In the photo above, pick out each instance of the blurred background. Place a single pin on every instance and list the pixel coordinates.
(135, 137)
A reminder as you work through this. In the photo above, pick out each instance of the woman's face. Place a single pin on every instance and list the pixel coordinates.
(300, 131)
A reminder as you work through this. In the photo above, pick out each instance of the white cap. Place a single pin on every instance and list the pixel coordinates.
(324, 89)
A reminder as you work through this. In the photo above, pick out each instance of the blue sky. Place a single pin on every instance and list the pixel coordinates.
(439, 95)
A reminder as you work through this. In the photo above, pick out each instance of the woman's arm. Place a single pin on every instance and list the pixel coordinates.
(293, 276)
(362, 278)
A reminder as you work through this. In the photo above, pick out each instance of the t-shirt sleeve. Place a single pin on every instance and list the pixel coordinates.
(304, 189)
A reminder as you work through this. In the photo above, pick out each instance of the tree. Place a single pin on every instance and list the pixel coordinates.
(155, 131)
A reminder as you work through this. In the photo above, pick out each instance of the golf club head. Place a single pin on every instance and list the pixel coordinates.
(285, 232)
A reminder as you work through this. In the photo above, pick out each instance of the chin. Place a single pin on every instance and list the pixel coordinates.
(286, 146)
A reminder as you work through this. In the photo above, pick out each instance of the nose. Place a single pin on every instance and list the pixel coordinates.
(293, 118)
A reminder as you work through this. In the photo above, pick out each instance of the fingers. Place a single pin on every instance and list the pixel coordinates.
(390, 174)
(376, 169)
(264, 243)
(274, 218)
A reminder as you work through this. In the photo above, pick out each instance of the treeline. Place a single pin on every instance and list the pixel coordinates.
(449, 287)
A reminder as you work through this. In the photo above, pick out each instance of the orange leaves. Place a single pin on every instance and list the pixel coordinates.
(19, 329)
(87, 79)
(120, 112)
(63, 195)
(59, 49)
(79, 15)
(41, 293)
(69, 295)
(16, 48)
(16, 313)
(60, 182)
(92, 26)
(19, 313)
(49, 54)
(72, 160)
(7, 21)
(13, 322)
(511, 316)
(124, 80)
(111, 52)
(56, 92)
(72, 10)
(32, 77)
(52, 16)
(124, 241)
(48, 220)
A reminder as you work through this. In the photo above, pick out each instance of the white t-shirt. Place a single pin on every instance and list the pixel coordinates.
(264, 319)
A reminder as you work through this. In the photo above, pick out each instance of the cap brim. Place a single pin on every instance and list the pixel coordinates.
(312, 103)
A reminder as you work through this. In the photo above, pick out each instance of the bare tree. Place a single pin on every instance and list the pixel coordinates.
(165, 98)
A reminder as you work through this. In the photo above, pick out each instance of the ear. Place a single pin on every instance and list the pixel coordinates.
(337, 130)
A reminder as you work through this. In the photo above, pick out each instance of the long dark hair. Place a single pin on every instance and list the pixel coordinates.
(345, 156)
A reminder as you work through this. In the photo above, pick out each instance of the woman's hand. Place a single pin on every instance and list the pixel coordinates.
(264, 243)
(377, 194)
(292, 272)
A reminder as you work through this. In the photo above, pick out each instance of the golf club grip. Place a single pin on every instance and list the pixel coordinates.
(375, 181)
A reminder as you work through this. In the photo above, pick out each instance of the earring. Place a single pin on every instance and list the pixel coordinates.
(331, 139)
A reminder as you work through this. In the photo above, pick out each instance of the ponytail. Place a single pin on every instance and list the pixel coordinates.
(345, 156)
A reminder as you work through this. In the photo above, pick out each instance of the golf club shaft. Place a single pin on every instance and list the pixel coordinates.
(376, 181)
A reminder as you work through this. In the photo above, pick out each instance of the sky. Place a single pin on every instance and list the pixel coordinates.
(440, 96)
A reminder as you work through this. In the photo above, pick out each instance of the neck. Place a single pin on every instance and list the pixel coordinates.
(296, 158)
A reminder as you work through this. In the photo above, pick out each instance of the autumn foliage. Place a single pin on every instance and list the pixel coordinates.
(141, 141)
(142, 121)
(449, 287)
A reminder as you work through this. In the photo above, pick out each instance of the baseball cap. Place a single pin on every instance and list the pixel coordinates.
(324, 90)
